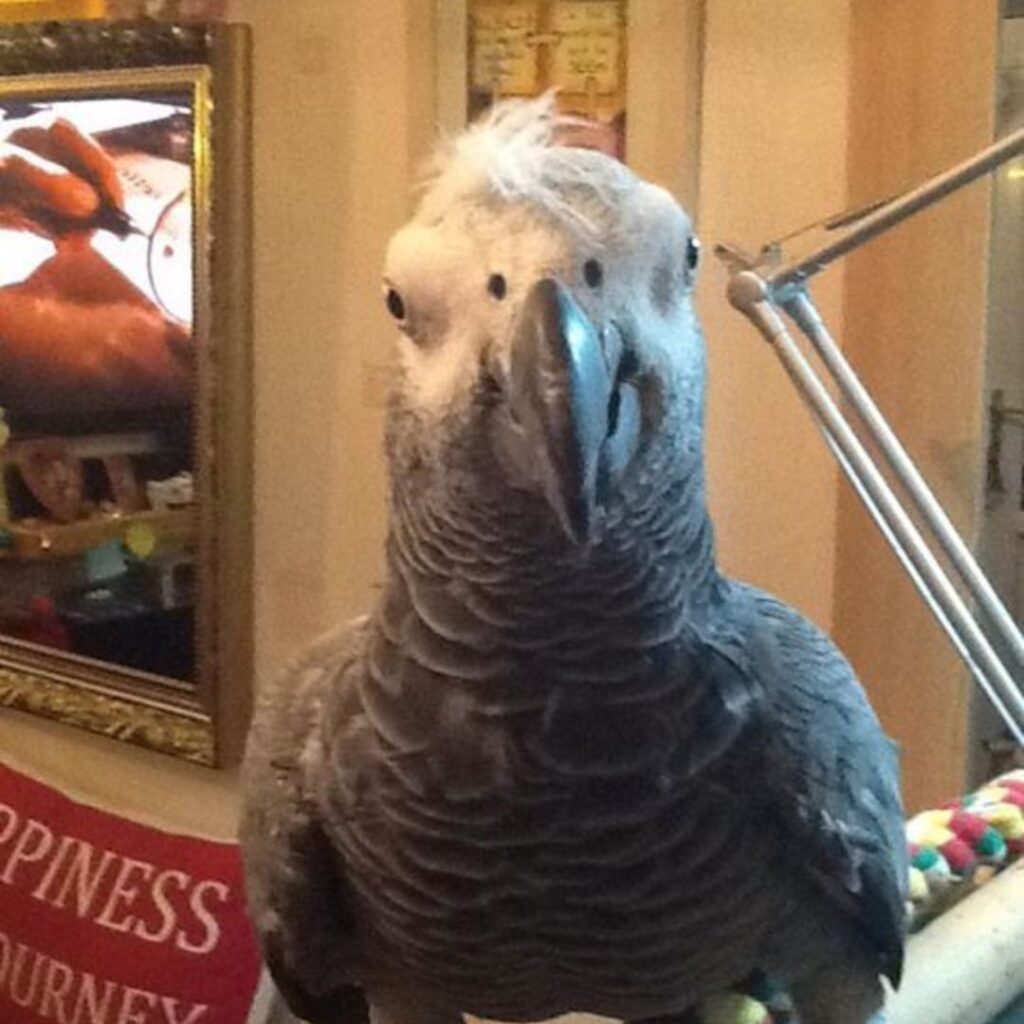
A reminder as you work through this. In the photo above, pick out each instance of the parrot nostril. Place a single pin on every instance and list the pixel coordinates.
(629, 366)
(614, 404)
(593, 273)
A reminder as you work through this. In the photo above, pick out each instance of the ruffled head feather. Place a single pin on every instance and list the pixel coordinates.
(512, 156)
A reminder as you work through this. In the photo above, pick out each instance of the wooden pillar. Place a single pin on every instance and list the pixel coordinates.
(922, 97)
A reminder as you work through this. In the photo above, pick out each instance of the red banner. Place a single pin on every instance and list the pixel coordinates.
(105, 921)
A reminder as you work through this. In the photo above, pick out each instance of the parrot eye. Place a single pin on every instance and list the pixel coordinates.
(692, 253)
(497, 286)
(593, 273)
(396, 307)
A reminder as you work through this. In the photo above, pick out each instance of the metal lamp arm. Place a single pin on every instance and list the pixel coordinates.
(759, 287)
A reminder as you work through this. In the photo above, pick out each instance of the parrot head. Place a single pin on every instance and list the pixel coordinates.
(550, 357)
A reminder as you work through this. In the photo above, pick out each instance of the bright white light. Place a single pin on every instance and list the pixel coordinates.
(22, 254)
(92, 116)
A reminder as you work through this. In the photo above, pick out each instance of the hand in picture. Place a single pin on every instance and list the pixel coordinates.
(76, 335)
(57, 182)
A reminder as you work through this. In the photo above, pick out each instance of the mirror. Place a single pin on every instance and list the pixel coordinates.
(124, 476)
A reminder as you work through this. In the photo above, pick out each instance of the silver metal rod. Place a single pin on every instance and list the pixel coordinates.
(800, 307)
(918, 580)
(757, 288)
(899, 209)
(748, 293)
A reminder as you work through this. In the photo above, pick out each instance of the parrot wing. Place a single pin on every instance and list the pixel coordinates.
(828, 773)
(295, 882)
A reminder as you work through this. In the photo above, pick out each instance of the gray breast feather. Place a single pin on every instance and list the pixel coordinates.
(298, 896)
(825, 766)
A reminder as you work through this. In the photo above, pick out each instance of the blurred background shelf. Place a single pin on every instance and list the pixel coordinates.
(60, 540)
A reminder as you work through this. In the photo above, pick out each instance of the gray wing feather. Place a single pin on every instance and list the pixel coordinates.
(295, 883)
(827, 769)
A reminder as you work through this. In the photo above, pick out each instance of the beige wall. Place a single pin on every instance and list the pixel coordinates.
(666, 65)
(343, 94)
(773, 157)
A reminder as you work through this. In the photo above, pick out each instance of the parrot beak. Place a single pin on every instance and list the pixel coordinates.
(567, 397)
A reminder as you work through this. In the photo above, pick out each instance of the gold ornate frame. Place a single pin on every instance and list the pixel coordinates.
(202, 722)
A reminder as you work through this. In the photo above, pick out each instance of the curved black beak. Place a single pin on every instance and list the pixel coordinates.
(562, 391)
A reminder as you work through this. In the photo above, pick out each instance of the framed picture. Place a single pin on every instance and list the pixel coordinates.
(630, 71)
(125, 480)
(577, 47)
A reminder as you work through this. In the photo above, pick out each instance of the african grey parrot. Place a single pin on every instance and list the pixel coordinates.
(564, 764)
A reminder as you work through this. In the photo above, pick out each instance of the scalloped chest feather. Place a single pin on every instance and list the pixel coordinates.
(556, 835)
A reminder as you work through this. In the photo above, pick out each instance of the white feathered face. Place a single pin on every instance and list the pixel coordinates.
(549, 330)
